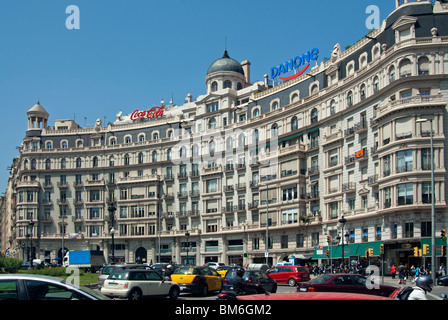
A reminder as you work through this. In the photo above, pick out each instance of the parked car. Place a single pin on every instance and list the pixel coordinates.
(222, 270)
(134, 284)
(197, 279)
(107, 270)
(289, 274)
(215, 265)
(442, 281)
(350, 283)
(251, 276)
(36, 287)
(313, 296)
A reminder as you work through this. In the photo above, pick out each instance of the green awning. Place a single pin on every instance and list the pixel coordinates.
(369, 245)
(336, 252)
(439, 244)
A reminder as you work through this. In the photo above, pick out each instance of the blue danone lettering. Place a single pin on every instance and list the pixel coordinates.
(296, 62)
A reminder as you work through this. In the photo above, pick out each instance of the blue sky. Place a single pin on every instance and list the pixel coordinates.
(128, 55)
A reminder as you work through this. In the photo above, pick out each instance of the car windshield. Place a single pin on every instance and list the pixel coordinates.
(108, 270)
(186, 270)
(89, 291)
(321, 279)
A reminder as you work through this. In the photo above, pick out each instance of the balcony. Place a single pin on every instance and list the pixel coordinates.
(349, 187)
(313, 170)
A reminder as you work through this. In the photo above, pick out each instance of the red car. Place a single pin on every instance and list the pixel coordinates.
(348, 283)
(313, 296)
(289, 274)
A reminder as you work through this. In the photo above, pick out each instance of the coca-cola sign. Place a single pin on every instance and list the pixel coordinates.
(154, 112)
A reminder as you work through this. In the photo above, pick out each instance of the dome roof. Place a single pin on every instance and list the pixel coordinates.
(37, 108)
(225, 64)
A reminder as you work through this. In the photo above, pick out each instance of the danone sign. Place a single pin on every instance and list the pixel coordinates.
(300, 61)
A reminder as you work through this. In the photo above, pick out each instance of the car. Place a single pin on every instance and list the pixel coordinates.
(107, 270)
(199, 280)
(37, 287)
(290, 275)
(312, 296)
(442, 281)
(251, 276)
(222, 270)
(134, 284)
(215, 265)
(350, 283)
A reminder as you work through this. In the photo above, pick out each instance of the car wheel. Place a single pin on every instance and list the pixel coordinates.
(174, 293)
(204, 290)
(135, 294)
(291, 282)
(274, 289)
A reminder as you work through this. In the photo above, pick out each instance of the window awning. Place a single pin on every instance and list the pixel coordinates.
(369, 245)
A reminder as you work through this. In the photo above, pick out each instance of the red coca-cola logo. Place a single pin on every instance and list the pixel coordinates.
(154, 112)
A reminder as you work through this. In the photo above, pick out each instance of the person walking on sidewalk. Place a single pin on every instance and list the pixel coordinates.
(393, 270)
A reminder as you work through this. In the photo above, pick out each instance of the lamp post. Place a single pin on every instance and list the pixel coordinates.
(433, 224)
(112, 210)
(187, 234)
(31, 225)
(342, 221)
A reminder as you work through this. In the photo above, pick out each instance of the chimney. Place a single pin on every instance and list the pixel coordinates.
(246, 68)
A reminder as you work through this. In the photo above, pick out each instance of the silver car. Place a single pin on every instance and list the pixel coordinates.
(107, 270)
(138, 284)
(36, 287)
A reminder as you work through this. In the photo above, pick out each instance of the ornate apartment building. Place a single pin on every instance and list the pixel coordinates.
(250, 171)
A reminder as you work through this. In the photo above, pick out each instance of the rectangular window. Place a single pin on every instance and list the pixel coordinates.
(405, 194)
(426, 159)
(426, 192)
(404, 161)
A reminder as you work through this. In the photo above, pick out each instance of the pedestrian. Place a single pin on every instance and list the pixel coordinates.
(442, 269)
(402, 269)
(393, 270)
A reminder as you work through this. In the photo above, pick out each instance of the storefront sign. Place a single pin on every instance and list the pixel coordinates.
(154, 112)
(302, 60)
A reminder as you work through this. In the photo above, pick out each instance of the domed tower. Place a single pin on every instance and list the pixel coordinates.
(227, 73)
(37, 119)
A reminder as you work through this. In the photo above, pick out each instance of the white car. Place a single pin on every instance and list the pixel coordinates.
(215, 265)
(137, 284)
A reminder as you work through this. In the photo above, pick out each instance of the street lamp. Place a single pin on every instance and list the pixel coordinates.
(433, 238)
(187, 234)
(342, 221)
(112, 210)
(31, 225)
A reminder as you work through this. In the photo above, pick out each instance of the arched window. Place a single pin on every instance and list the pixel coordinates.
(275, 105)
(168, 154)
(294, 98)
(228, 84)
(362, 92)
(49, 145)
(239, 86)
(140, 158)
(212, 123)
(170, 133)
(214, 86)
(211, 148)
(405, 68)
(127, 160)
(350, 98)
(113, 141)
(314, 115)
(127, 140)
(294, 123)
(241, 140)
(314, 89)
(423, 66)
(64, 145)
(183, 152)
(392, 74)
(274, 130)
(376, 84)
(155, 136)
(141, 138)
(256, 113)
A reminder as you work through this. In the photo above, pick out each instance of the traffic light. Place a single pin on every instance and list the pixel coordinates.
(416, 252)
(443, 251)
(328, 253)
(443, 234)
(425, 249)
(369, 252)
(328, 239)
(381, 249)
